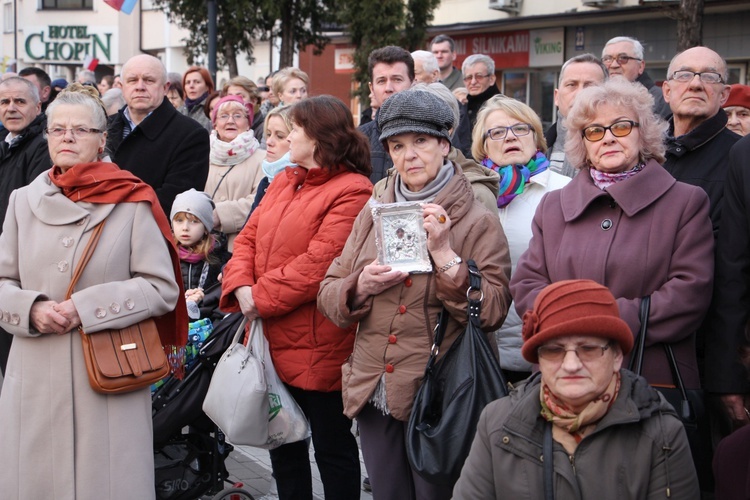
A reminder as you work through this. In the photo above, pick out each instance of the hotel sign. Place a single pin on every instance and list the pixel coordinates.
(70, 44)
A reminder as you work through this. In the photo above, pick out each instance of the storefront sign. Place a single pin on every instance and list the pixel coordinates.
(515, 49)
(70, 44)
(547, 48)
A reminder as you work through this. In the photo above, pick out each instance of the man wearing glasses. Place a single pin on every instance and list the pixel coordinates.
(479, 79)
(623, 56)
(698, 146)
(698, 141)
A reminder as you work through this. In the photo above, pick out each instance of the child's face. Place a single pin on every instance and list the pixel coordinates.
(188, 229)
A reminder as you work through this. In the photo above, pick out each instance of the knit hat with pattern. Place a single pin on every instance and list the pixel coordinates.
(412, 111)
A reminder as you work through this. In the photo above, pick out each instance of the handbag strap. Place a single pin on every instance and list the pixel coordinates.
(88, 251)
(547, 462)
(473, 311)
(636, 360)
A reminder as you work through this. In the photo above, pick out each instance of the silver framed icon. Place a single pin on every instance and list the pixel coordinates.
(400, 237)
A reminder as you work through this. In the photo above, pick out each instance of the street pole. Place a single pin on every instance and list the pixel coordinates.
(212, 39)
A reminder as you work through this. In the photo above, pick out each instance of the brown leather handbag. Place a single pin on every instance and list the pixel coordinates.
(120, 360)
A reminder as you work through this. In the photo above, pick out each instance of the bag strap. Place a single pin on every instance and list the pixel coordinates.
(636, 359)
(547, 459)
(686, 409)
(88, 251)
(473, 310)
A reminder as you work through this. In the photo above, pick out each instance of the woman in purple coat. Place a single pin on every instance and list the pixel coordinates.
(626, 223)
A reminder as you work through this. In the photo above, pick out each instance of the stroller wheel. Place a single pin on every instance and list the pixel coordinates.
(233, 494)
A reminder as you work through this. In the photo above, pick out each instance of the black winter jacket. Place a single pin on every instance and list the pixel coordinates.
(191, 274)
(701, 158)
(167, 151)
(23, 161)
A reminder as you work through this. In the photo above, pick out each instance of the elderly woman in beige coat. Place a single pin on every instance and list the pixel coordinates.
(397, 311)
(235, 170)
(59, 438)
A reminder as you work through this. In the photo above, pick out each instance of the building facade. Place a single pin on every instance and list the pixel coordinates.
(528, 39)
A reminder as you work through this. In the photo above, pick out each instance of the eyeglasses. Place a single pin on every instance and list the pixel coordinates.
(687, 76)
(500, 133)
(622, 59)
(235, 116)
(77, 132)
(585, 352)
(595, 133)
(479, 78)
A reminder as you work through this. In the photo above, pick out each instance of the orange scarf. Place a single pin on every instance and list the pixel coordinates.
(101, 182)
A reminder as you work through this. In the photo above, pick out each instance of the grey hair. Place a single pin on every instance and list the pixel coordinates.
(583, 58)
(428, 59)
(33, 89)
(444, 93)
(620, 94)
(75, 97)
(479, 58)
(637, 46)
(88, 75)
(113, 97)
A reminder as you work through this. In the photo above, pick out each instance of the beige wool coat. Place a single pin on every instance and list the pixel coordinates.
(59, 439)
(235, 194)
(396, 327)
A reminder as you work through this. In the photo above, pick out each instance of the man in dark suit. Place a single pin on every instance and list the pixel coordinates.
(151, 139)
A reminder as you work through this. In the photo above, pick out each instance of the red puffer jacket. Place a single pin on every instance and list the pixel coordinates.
(283, 253)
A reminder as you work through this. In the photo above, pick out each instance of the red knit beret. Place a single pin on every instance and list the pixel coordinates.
(739, 95)
(573, 308)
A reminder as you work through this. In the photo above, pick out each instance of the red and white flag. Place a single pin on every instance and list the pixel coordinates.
(90, 62)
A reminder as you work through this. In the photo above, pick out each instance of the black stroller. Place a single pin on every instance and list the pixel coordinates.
(191, 465)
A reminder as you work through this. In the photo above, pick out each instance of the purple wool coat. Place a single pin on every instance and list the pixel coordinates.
(648, 234)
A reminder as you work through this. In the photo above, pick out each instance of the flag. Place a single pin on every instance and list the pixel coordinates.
(124, 6)
(90, 62)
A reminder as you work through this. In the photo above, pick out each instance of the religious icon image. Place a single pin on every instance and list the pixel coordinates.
(400, 237)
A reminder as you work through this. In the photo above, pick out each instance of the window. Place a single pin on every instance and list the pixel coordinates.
(68, 4)
(7, 18)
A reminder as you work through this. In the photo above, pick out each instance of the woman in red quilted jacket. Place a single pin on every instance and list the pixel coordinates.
(279, 260)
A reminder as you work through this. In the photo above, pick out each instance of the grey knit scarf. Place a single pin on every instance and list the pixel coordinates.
(428, 193)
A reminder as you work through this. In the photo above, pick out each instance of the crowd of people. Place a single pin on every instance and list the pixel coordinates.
(638, 193)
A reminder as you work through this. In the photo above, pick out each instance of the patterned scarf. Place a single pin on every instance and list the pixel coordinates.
(231, 153)
(513, 178)
(568, 427)
(603, 180)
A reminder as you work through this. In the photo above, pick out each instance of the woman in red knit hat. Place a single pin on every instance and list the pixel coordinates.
(610, 434)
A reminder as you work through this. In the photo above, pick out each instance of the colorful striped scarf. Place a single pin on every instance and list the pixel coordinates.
(513, 178)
